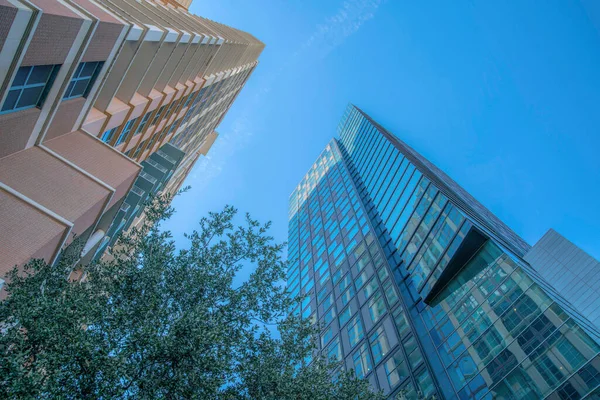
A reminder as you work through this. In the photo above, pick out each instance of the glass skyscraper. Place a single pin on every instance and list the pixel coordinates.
(419, 288)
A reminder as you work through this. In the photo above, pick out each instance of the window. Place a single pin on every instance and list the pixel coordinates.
(324, 292)
(346, 314)
(401, 322)
(329, 315)
(395, 369)
(173, 102)
(570, 353)
(188, 100)
(327, 336)
(390, 293)
(549, 370)
(30, 87)
(362, 362)
(362, 262)
(347, 295)
(414, 354)
(382, 273)
(138, 151)
(347, 281)
(157, 116)
(126, 130)
(335, 350)
(142, 124)
(108, 135)
(336, 276)
(83, 79)
(328, 301)
(355, 331)
(426, 384)
(376, 308)
(379, 344)
(360, 280)
(370, 288)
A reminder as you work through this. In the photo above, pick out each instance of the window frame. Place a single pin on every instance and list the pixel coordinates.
(46, 86)
(126, 131)
(77, 77)
(107, 136)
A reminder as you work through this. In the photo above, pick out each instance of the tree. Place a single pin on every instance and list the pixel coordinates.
(154, 322)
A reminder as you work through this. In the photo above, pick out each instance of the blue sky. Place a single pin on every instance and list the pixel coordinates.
(503, 96)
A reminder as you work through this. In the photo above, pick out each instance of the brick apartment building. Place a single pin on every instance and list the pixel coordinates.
(103, 102)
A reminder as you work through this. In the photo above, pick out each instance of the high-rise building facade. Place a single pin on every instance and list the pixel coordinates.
(571, 271)
(419, 288)
(102, 103)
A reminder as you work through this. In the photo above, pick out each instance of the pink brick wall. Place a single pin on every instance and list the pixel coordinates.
(103, 41)
(15, 130)
(65, 117)
(52, 40)
(7, 14)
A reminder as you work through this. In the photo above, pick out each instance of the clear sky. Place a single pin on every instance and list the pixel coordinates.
(502, 95)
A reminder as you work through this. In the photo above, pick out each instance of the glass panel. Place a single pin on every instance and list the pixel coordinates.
(401, 322)
(408, 392)
(335, 350)
(382, 273)
(362, 362)
(345, 315)
(78, 70)
(425, 384)
(30, 97)
(89, 68)
(11, 99)
(396, 369)
(379, 344)
(39, 74)
(390, 293)
(80, 87)
(355, 331)
(326, 336)
(376, 308)
(21, 76)
(69, 90)
(370, 288)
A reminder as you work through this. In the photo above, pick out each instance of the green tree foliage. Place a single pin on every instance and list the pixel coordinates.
(158, 323)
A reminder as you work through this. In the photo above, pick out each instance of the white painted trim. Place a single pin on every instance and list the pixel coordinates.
(153, 34)
(197, 38)
(209, 80)
(185, 38)
(36, 205)
(76, 167)
(171, 36)
(135, 33)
